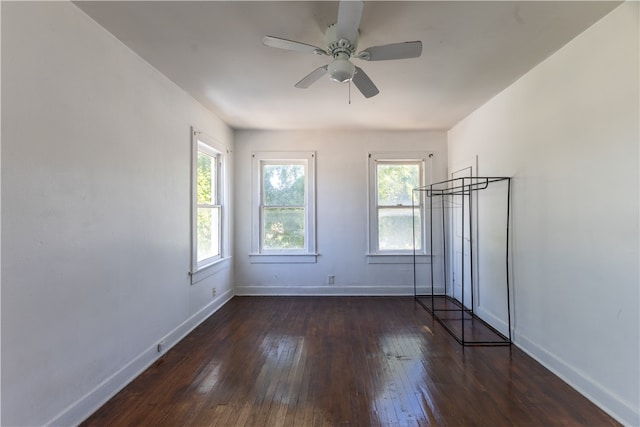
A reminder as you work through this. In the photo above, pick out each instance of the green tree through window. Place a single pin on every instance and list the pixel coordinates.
(208, 209)
(395, 183)
(283, 210)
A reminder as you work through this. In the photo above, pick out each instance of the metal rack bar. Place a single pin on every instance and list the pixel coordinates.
(431, 244)
(507, 255)
(462, 255)
(471, 247)
(444, 246)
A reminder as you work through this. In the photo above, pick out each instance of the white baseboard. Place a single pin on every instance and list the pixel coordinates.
(332, 290)
(80, 410)
(437, 291)
(328, 290)
(623, 411)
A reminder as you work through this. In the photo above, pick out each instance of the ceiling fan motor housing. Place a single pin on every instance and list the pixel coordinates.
(335, 45)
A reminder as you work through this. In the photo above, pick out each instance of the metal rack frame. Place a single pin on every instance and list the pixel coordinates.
(465, 187)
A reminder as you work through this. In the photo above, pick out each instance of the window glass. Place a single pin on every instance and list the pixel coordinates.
(283, 205)
(396, 229)
(283, 228)
(283, 185)
(283, 211)
(396, 225)
(206, 178)
(396, 183)
(206, 202)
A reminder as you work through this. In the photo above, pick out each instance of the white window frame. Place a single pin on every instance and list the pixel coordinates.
(375, 255)
(201, 142)
(258, 253)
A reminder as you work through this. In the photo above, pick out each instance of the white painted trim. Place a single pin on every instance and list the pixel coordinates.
(0, 223)
(438, 291)
(81, 409)
(610, 402)
(210, 269)
(328, 290)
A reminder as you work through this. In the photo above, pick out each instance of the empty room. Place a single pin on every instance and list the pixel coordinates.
(320, 213)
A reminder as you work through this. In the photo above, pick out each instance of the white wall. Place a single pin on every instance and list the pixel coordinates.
(0, 216)
(95, 214)
(568, 133)
(341, 177)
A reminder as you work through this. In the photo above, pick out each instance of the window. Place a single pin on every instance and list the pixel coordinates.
(394, 223)
(207, 206)
(283, 207)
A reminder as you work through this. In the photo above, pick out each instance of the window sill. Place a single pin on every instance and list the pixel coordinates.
(261, 258)
(398, 259)
(209, 269)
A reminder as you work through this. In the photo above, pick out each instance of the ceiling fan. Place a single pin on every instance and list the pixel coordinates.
(342, 42)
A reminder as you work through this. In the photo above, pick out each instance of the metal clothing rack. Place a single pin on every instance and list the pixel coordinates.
(452, 313)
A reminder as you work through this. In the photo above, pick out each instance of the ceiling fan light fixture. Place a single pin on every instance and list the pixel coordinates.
(341, 70)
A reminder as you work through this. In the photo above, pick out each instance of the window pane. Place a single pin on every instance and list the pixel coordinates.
(283, 185)
(206, 179)
(283, 228)
(208, 244)
(396, 183)
(395, 229)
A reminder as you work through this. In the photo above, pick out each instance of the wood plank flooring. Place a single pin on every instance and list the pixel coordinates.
(341, 361)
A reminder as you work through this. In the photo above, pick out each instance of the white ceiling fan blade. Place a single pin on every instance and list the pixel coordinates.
(349, 14)
(392, 51)
(364, 83)
(292, 45)
(312, 77)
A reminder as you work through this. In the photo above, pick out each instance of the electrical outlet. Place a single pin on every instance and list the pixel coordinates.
(213, 292)
(161, 346)
(331, 279)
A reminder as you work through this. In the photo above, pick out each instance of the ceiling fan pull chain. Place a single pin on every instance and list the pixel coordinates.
(349, 92)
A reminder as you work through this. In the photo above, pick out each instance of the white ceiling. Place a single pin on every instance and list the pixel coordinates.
(471, 51)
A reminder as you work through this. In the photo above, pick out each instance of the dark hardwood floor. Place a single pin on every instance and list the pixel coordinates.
(334, 361)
